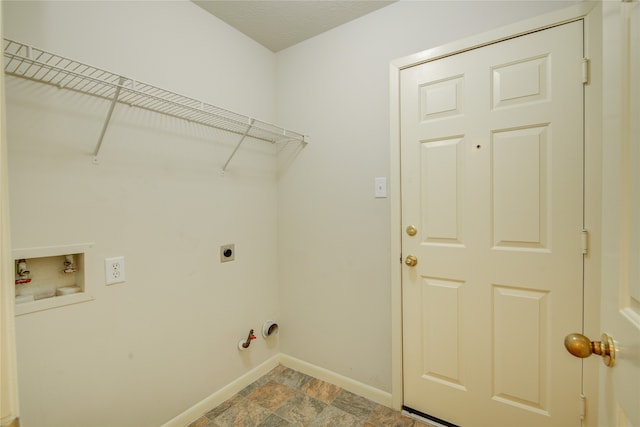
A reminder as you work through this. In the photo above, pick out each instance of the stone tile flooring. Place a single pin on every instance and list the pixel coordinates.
(284, 397)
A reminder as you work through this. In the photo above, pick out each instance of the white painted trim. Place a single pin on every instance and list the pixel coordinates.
(591, 13)
(396, 242)
(51, 250)
(361, 389)
(593, 99)
(205, 405)
(53, 302)
(497, 35)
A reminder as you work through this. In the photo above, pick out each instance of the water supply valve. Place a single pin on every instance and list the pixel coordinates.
(244, 344)
(69, 264)
(23, 275)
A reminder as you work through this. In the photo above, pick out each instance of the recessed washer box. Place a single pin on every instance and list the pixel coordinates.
(54, 276)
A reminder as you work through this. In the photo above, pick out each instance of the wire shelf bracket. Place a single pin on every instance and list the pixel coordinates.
(96, 153)
(41, 66)
(233, 153)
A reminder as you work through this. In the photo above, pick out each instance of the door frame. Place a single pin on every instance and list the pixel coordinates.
(591, 14)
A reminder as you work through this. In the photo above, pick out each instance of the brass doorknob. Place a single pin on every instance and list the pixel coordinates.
(411, 261)
(581, 346)
(411, 230)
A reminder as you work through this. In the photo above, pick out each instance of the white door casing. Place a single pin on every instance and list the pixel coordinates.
(492, 179)
(9, 408)
(620, 385)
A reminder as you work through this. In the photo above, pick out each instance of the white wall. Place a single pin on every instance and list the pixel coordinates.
(143, 351)
(313, 243)
(334, 236)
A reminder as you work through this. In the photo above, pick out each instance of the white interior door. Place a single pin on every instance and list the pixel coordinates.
(492, 184)
(620, 384)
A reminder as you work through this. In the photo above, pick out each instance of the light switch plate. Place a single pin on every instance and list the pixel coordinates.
(381, 187)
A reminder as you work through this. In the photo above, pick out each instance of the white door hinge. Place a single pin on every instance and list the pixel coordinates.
(583, 405)
(585, 242)
(585, 71)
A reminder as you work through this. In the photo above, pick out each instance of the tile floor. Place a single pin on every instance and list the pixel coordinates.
(284, 397)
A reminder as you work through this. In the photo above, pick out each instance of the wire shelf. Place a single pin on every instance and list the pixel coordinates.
(38, 65)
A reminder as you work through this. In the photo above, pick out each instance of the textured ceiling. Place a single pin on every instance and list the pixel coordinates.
(280, 24)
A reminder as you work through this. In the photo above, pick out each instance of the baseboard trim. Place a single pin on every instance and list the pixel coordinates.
(197, 410)
(364, 390)
(200, 408)
(14, 423)
(215, 399)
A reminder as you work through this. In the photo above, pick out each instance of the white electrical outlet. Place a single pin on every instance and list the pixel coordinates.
(114, 270)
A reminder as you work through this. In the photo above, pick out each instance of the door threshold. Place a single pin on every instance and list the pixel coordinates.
(425, 418)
